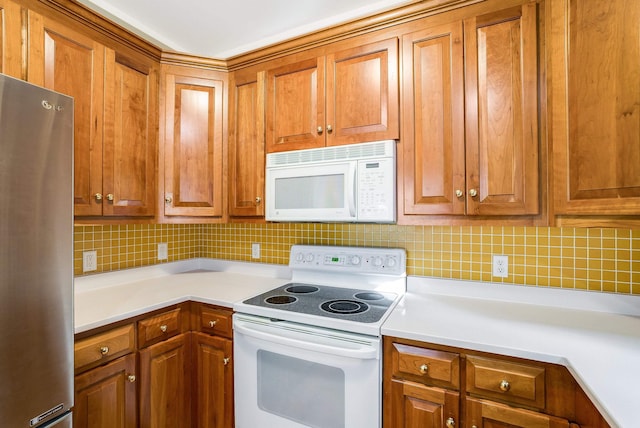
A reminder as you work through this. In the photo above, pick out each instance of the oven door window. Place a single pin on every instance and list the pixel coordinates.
(306, 392)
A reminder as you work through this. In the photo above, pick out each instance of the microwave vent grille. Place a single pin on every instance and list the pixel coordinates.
(337, 153)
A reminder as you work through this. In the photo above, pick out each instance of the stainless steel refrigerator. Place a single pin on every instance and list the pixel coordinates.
(36, 256)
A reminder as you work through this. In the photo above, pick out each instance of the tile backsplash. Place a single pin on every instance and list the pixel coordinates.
(595, 259)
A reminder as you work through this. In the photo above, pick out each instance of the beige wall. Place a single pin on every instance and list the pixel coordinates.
(594, 259)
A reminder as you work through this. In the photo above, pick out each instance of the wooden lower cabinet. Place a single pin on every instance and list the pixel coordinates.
(488, 414)
(415, 405)
(213, 381)
(105, 397)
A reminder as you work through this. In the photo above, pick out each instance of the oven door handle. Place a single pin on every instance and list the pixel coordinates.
(295, 339)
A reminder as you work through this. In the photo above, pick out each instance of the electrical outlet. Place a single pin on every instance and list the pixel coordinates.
(89, 261)
(500, 266)
(163, 251)
(255, 250)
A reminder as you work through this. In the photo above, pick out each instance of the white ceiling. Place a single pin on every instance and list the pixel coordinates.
(223, 29)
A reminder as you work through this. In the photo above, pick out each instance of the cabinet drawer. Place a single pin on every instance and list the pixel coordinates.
(427, 366)
(215, 321)
(511, 382)
(103, 347)
(159, 327)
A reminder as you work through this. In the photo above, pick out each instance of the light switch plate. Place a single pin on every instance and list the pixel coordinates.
(255, 250)
(163, 251)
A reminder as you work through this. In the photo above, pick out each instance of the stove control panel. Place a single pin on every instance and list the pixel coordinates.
(391, 261)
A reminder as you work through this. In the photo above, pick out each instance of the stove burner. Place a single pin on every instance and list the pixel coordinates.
(280, 300)
(369, 295)
(344, 307)
(301, 289)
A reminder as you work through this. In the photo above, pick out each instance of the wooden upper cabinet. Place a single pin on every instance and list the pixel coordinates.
(130, 136)
(246, 146)
(595, 116)
(11, 60)
(470, 116)
(346, 97)
(193, 142)
(71, 63)
(501, 99)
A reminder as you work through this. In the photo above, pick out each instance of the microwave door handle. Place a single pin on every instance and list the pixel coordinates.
(352, 195)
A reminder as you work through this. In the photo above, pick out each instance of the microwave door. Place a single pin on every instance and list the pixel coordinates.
(321, 193)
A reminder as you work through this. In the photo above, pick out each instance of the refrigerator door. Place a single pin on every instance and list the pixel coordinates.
(36, 254)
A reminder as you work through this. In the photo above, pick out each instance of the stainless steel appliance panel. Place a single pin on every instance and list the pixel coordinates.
(36, 255)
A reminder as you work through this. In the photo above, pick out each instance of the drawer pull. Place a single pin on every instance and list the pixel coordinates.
(104, 350)
(213, 323)
(424, 369)
(163, 328)
(504, 386)
(451, 423)
(225, 360)
(131, 378)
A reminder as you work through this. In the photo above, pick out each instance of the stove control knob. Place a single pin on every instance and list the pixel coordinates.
(377, 261)
(299, 257)
(355, 260)
(308, 257)
(391, 262)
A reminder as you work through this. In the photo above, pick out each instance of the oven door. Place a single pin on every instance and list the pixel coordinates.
(289, 375)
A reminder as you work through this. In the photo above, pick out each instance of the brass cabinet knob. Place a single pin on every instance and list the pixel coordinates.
(424, 368)
(104, 350)
(168, 198)
(110, 197)
(213, 323)
(473, 193)
(163, 328)
(504, 385)
(329, 129)
(98, 196)
(131, 378)
(459, 193)
(226, 360)
(258, 200)
(451, 423)
(319, 129)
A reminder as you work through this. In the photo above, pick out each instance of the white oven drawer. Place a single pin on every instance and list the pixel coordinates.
(291, 376)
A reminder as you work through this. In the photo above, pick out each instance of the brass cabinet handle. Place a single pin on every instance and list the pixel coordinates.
(169, 198)
(213, 323)
(451, 423)
(473, 193)
(110, 197)
(424, 368)
(320, 129)
(163, 328)
(131, 378)
(329, 129)
(459, 193)
(226, 360)
(104, 350)
(504, 385)
(258, 200)
(98, 196)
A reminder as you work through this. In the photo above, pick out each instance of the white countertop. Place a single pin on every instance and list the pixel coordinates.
(596, 336)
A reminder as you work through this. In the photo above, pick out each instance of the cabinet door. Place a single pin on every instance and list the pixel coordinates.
(73, 64)
(130, 136)
(105, 397)
(295, 106)
(487, 414)
(11, 60)
(165, 384)
(362, 94)
(414, 406)
(595, 92)
(213, 377)
(246, 146)
(433, 160)
(193, 179)
(502, 112)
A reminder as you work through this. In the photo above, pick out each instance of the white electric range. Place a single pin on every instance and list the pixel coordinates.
(308, 353)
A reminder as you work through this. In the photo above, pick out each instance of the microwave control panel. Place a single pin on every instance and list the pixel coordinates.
(376, 190)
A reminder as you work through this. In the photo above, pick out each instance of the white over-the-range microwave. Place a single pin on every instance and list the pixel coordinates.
(350, 183)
